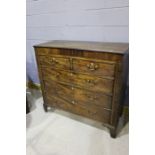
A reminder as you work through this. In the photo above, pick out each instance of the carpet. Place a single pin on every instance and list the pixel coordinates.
(62, 133)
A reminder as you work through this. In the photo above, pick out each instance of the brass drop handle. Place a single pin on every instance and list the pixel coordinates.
(73, 102)
(57, 75)
(92, 66)
(91, 97)
(92, 113)
(71, 74)
(53, 61)
(90, 81)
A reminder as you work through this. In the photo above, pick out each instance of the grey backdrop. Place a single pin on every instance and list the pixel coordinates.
(90, 20)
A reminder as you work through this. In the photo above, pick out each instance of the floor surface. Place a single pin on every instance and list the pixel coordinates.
(61, 133)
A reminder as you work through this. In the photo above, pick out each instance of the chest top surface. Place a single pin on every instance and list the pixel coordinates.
(118, 48)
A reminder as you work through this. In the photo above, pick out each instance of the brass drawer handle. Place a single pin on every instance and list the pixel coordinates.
(92, 113)
(91, 97)
(57, 75)
(70, 74)
(88, 81)
(53, 61)
(92, 66)
(73, 102)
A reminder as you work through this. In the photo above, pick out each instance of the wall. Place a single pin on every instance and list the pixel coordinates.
(90, 20)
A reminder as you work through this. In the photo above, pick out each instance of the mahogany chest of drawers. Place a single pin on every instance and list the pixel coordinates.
(85, 78)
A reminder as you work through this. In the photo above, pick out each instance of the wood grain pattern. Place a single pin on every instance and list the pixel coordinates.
(55, 62)
(77, 77)
(77, 95)
(93, 67)
(88, 82)
(50, 51)
(94, 112)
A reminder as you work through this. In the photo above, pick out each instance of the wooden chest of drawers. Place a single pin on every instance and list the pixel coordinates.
(85, 78)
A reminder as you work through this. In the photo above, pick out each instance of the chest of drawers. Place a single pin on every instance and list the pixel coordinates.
(85, 78)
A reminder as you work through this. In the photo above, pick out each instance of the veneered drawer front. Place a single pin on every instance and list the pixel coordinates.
(92, 112)
(92, 83)
(94, 67)
(88, 98)
(78, 96)
(54, 62)
(59, 90)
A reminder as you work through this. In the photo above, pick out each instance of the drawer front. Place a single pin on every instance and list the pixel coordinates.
(85, 81)
(59, 90)
(94, 67)
(78, 96)
(88, 98)
(92, 112)
(55, 62)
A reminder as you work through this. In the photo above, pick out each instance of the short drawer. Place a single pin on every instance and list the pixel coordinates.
(88, 82)
(78, 96)
(54, 62)
(93, 67)
(92, 112)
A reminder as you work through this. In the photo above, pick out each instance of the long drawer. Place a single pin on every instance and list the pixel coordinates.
(77, 96)
(93, 112)
(92, 83)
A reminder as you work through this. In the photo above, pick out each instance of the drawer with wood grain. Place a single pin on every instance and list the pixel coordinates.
(59, 90)
(94, 112)
(90, 98)
(92, 83)
(77, 95)
(93, 67)
(55, 62)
